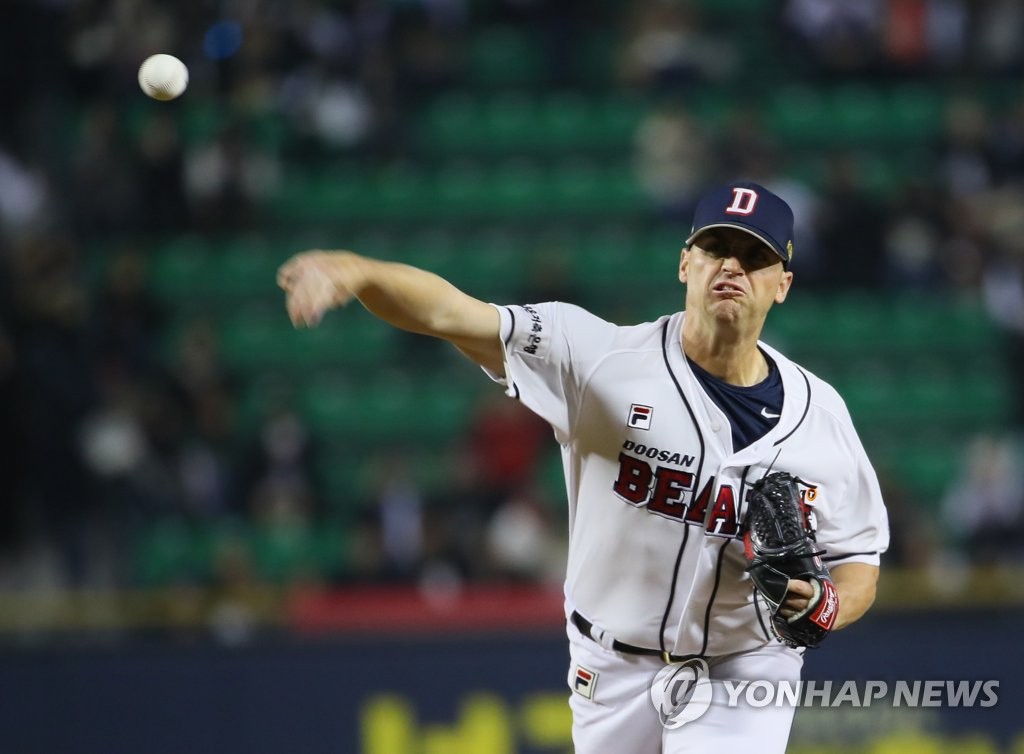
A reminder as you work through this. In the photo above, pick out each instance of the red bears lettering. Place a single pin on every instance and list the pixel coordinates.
(664, 489)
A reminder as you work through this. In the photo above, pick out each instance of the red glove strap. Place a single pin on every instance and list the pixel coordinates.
(828, 606)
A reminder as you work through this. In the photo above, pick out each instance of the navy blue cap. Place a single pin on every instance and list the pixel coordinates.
(750, 207)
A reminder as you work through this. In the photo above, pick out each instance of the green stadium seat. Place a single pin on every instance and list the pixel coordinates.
(988, 398)
(166, 552)
(461, 188)
(608, 257)
(258, 338)
(388, 408)
(798, 115)
(930, 393)
(914, 113)
(183, 269)
(330, 550)
(282, 552)
(331, 406)
(881, 175)
(314, 196)
(965, 323)
(400, 190)
(491, 261)
(504, 56)
(446, 407)
(377, 242)
(927, 469)
(247, 267)
(578, 186)
(713, 107)
(511, 122)
(595, 56)
(872, 395)
(347, 478)
(566, 120)
(854, 322)
(454, 121)
(798, 325)
(263, 338)
(857, 115)
(262, 394)
(201, 121)
(622, 190)
(616, 118)
(351, 340)
(519, 189)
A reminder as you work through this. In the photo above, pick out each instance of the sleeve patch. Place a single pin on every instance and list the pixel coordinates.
(531, 335)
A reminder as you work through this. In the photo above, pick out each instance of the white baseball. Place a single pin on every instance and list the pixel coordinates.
(163, 77)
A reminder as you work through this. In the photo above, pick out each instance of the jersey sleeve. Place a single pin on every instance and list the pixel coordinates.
(855, 528)
(546, 348)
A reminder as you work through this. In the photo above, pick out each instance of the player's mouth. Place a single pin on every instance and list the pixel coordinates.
(727, 290)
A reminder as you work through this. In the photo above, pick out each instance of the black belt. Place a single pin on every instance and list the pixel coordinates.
(585, 627)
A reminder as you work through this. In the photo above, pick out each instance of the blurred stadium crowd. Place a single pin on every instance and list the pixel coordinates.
(135, 449)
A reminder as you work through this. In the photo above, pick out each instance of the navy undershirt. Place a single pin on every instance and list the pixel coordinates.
(746, 407)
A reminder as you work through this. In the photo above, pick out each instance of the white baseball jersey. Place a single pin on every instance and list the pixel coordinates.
(656, 490)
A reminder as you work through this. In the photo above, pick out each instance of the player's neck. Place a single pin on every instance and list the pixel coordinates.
(727, 354)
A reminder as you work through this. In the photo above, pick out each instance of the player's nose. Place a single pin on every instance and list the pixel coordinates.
(732, 264)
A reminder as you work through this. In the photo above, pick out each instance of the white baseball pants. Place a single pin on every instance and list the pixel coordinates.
(620, 716)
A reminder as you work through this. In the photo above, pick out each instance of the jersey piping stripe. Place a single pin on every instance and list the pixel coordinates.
(848, 555)
(672, 589)
(512, 329)
(508, 340)
(757, 612)
(718, 567)
(696, 486)
(714, 593)
(807, 407)
(757, 609)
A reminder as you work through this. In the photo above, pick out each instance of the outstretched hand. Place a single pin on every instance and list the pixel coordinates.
(314, 283)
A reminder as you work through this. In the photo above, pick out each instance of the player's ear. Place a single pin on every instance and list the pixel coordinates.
(684, 258)
(784, 286)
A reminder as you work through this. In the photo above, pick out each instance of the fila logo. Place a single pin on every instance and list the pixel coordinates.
(584, 682)
(640, 416)
(743, 202)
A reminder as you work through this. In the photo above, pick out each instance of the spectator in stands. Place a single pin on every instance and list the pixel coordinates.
(984, 509)
(666, 48)
(672, 158)
(837, 35)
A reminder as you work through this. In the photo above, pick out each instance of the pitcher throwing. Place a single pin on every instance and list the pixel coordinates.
(666, 429)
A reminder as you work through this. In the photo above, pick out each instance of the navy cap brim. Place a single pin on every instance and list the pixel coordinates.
(752, 231)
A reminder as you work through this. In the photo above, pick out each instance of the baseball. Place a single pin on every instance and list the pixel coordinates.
(163, 77)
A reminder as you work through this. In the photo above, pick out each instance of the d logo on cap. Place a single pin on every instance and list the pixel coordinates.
(743, 202)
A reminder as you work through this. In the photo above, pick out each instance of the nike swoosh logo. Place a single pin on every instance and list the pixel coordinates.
(766, 415)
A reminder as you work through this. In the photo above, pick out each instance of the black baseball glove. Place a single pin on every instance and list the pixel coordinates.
(780, 546)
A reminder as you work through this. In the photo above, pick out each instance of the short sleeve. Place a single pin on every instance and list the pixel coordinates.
(546, 348)
(855, 529)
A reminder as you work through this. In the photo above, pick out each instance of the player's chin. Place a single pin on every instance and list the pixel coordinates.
(728, 310)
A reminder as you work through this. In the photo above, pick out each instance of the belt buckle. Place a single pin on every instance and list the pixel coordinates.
(666, 657)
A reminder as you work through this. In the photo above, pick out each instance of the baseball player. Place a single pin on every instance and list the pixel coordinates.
(665, 429)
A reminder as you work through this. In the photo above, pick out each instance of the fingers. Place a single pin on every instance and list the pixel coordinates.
(798, 598)
(799, 588)
(310, 290)
(289, 272)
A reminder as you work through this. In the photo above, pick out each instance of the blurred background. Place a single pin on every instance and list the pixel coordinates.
(221, 534)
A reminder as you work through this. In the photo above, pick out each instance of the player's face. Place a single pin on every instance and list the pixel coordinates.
(732, 276)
